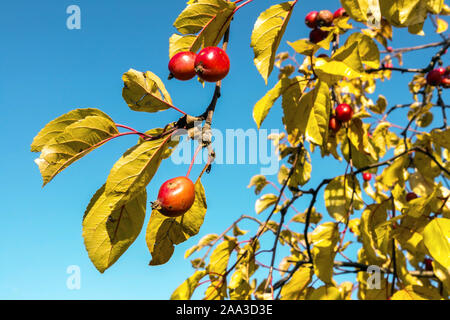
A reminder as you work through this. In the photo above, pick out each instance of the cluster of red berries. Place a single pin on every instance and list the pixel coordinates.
(211, 64)
(324, 18)
(439, 77)
(343, 113)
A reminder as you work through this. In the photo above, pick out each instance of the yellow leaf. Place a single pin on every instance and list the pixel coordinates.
(324, 239)
(163, 232)
(266, 36)
(186, 289)
(109, 232)
(442, 25)
(416, 293)
(294, 289)
(325, 293)
(436, 237)
(265, 202)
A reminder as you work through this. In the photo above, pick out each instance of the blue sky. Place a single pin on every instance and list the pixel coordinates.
(48, 70)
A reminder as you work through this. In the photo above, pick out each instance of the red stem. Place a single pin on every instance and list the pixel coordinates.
(193, 159)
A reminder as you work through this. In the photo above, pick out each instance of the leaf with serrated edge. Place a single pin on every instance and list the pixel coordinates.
(266, 36)
(109, 232)
(163, 233)
(77, 140)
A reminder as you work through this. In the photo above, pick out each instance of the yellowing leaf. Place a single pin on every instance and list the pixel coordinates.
(402, 13)
(56, 127)
(436, 237)
(442, 25)
(199, 13)
(263, 106)
(186, 289)
(76, 141)
(219, 258)
(309, 115)
(266, 36)
(145, 92)
(332, 71)
(416, 293)
(338, 196)
(356, 9)
(294, 289)
(259, 182)
(394, 173)
(135, 169)
(163, 232)
(108, 232)
(325, 293)
(265, 202)
(441, 138)
(180, 43)
(324, 239)
(304, 46)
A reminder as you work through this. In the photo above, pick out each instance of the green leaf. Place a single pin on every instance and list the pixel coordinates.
(56, 127)
(338, 196)
(145, 92)
(436, 237)
(187, 288)
(309, 115)
(108, 232)
(76, 141)
(135, 169)
(265, 202)
(266, 36)
(163, 233)
(294, 289)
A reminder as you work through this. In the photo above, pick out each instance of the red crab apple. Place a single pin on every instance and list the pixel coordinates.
(181, 65)
(339, 13)
(435, 76)
(334, 124)
(428, 264)
(175, 197)
(411, 196)
(317, 35)
(324, 18)
(310, 19)
(367, 176)
(344, 112)
(389, 49)
(212, 64)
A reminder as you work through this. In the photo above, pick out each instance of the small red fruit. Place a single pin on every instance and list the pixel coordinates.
(175, 197)
(389, 49)
(428, 264)
(317, 35)
(181, 66)
(344, 112)
(367, 176)
(324, 18)
(310, 19)
(435, 76)
(445, 83)
(212, 64)
(334, 124)
(388, 65)
(411, 196)
(340, 13)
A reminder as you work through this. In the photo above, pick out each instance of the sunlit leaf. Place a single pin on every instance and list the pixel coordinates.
(436, 237)
(186, 289)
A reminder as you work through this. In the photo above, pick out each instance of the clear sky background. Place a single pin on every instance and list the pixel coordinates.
(48, 70)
